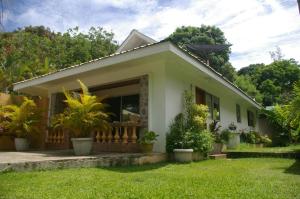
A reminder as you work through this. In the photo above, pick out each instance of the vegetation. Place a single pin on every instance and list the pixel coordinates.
(148, 138)
(246, 147)
(206, 35)
(285, 120)
(21, 120)
(272, 83)
(84, 113)
(33, 51)
(237, 178)
(188, 130)
(253, 137)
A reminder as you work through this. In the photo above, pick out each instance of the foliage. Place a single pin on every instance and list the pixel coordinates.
(274, 81)
(20, 120)
(245, 83)
(225, 135)
(188, 130)
(84, 113)
(185, 35)
(148, 138)
(285, 120)
(33, 51)
(254, 137)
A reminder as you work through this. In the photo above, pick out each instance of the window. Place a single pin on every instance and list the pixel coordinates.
(123, 108)
(250, 116)
(211, 101)
(238, 113)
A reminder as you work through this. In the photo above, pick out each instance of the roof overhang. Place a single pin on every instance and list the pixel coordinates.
(129, 55)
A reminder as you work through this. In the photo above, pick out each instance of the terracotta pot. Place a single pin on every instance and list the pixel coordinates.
(183, 155)
(82, 146)
(147, 148)
(217, 148)
(21, 144)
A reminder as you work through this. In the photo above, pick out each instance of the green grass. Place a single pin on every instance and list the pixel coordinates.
(250, 148)
(238, 178)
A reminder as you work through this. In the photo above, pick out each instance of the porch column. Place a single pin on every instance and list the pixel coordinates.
(144, 82)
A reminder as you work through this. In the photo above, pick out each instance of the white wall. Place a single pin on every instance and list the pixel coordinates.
(181, 76)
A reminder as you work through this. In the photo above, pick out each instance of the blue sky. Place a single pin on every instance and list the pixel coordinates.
(254, 27)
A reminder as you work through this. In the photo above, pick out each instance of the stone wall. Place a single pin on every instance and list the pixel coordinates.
(144, 92)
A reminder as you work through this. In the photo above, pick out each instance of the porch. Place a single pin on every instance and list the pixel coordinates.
(58, 159)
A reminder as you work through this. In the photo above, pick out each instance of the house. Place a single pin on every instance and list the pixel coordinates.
(145, 80)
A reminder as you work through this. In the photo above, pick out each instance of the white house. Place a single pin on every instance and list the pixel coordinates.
(147, 79)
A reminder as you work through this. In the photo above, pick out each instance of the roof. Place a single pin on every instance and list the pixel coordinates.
(189, 54)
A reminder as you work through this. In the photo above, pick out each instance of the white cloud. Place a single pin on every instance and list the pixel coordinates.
(254, 27)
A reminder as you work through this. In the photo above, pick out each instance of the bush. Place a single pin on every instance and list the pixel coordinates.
(188, 130)
(255, 138)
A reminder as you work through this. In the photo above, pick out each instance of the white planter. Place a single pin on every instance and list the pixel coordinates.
(234, 141)
(82, 146)
(21, 144)
(183, 155)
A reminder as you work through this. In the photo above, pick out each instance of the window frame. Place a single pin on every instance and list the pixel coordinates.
(250, 115)
(238, 113)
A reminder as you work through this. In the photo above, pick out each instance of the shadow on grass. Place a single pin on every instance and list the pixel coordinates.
(294, 168)
(136, 168)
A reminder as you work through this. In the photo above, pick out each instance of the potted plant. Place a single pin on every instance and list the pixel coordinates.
(214, 127)
(84, 114)
(147, 141)
(188, 138)
(20, 121)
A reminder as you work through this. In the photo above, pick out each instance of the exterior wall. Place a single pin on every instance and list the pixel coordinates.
(180, 77)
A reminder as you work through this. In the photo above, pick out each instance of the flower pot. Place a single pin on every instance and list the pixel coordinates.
(234, 141)
(82, 146)
(217, 148)
(183, 155)
(21, 144)
(147, 148)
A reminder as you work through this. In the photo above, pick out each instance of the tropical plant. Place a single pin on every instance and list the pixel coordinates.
(22, 120)
(148, 138)
(84, 113)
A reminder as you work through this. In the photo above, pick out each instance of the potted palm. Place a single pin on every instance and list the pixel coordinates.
(84, 114)
(20, 121)
(147, 141)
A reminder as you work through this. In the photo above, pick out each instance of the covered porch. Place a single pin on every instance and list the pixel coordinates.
(126, 100)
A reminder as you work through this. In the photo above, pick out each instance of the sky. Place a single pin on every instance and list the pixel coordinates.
(253, 27)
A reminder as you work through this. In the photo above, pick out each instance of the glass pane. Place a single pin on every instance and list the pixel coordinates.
(114, 105)
(130, 108)
(208, 100)
(216, 108)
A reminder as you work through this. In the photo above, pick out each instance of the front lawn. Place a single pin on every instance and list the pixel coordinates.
(243, 147)
(238, 178)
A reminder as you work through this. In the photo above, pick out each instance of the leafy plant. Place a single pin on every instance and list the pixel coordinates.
(84, 113)
(20, 120)
(148, 138)
(225, 135)
(188, 130)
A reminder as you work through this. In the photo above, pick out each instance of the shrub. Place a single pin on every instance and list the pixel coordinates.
(225, 135)
(20, 120)
(188, 129)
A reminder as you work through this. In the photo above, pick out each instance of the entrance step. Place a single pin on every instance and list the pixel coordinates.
(218, 156)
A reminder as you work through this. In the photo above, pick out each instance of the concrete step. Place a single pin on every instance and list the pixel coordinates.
(218, 156)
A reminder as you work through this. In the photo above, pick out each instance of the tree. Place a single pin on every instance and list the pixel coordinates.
(206, 35)
(31, 51)
(245, 83)
(274, 81)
